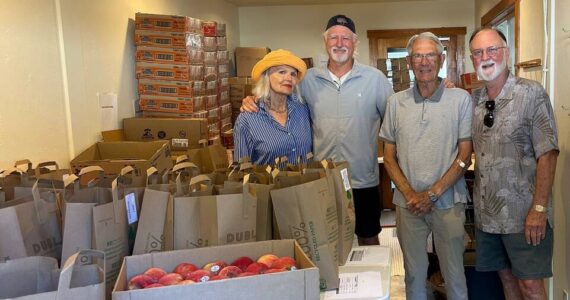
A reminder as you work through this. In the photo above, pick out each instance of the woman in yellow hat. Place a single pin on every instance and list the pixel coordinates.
(282, 127)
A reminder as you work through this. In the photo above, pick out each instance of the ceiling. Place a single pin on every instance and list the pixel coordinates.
(305, 2)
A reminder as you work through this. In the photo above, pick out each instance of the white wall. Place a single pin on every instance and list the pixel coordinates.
(299, 28)
(32, 122)
(98, 52)
(561, 186)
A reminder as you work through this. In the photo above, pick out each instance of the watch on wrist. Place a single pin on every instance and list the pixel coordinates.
(539, 208)
(461, 163)
(432, 196)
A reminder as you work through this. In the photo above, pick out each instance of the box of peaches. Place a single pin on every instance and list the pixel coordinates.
(277, 269)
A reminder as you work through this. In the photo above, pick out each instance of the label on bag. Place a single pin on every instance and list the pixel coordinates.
(131, 204)
(345, 181)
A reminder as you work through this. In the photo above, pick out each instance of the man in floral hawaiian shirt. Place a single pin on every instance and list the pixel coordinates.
(516, 147)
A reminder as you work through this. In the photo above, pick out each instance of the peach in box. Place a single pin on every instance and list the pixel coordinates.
(242, 262)
(267, 259)
(230, 271)
(284, 262)
(140, 282)
(199, 276)
(215, 267)
(185, 268)
(170, 279)
(155, 273)
(257, 268)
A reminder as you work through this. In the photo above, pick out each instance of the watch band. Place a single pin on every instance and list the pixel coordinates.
(539, 208)
(432, 196)
(461, 163)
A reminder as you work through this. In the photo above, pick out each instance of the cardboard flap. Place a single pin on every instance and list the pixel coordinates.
(72, 263)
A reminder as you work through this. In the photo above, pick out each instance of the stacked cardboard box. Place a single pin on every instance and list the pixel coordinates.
(183, 68)
(470, 81)
(400, 74)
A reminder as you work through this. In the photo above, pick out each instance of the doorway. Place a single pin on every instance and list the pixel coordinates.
(385, 44)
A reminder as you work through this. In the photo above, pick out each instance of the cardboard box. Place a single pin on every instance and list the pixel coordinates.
(162, 71)
(298, 284)
(180, 56)
(471, 81)
(165, 88)
(240, 80)
(401, 76)
(183, 133)
(114, 156)
(247, 57)
(162, 22)
(166, 104)
(167, 39)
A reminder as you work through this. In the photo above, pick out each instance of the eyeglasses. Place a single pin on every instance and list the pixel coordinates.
(491, 51)
(416, 57)
(489, 118)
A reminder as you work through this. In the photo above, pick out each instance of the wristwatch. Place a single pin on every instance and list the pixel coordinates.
(539, 208)
(461, 163)
(432, 196)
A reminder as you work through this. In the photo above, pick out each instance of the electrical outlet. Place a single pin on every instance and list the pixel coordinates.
(565, 295)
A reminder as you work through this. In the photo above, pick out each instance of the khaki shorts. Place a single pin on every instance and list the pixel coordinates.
(503, 251)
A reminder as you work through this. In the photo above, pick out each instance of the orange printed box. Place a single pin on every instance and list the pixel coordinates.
(162, 71)
(169, 55)
(166, 104)
(162, 22)
(471, 81)
(165, 88)
(167, 39)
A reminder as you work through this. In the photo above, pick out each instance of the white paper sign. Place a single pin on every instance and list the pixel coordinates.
(345, 181)
(376, 256)
(131, 204)
(357, 286)
(109, 114)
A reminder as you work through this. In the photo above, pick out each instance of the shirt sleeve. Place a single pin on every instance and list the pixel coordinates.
(384, 93)
(465, 118)
(388, 129)
(243, 145)
(544, 132)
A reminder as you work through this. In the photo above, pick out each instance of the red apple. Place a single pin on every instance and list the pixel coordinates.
(199, 276)
(187, 281)
(275, 271)
(155, 273)
(215, 267)
(284, 262)
(185, 268)
(246, 274)
(257, 268)
(170, 279)
(230, 271)
(242, 262)
(153, 285)
(140, 282)
(267, 259)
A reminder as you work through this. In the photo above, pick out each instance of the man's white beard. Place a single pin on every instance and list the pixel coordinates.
(497, 69)
(339, 57)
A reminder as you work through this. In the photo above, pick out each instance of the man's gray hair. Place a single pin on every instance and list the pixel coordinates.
(425, 36)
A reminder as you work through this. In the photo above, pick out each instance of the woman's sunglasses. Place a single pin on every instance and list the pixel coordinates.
(489, 118)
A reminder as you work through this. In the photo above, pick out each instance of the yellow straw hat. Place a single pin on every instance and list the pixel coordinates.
(277, 58)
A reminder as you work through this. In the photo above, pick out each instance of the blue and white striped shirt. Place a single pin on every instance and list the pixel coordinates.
(261, 138)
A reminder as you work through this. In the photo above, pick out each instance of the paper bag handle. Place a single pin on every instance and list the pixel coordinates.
(185, 165)
(181, 158)
(45, 165)
(203, 143)
(115, 193)
(151, 174)
(90, 169)
(23, 162)
(39, 205)
(73, 261)
(127, 170)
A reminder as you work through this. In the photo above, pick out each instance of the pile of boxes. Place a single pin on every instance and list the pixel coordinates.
(470, 81)
(182, 65)
(397, 71)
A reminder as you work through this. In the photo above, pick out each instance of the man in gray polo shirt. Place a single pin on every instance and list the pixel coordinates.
(427, 135)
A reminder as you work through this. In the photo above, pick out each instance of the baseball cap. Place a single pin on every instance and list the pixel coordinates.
(341, 20)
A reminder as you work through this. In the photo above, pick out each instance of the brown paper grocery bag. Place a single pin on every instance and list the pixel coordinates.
(209, 158)
(306, 212)
(37, 277)
(338, 177)
(202, 219)
(30, 226)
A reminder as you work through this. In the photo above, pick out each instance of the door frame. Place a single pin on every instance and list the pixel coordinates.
(455, 53)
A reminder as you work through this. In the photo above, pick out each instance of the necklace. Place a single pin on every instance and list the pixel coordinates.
(279, 111)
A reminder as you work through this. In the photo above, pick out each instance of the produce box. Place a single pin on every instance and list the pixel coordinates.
(114, 156)
(299, 284)
(183, 133)
(471, 81)
(247, 57)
